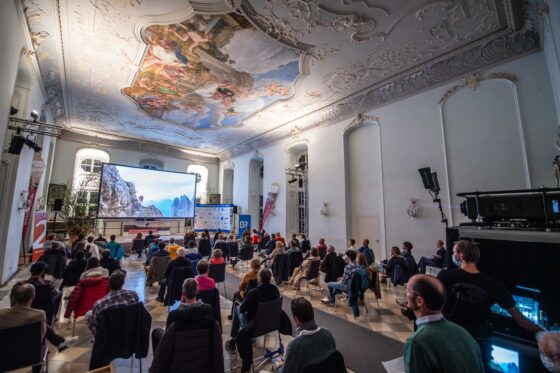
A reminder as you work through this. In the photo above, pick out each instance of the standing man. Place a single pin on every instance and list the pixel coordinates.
(116, 248)
(483, 292)
(429, 348)
(352, 245)
(367, 251)
(149, 239)
(436, 260)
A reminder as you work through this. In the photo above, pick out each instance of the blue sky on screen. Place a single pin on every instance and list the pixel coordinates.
(157, 185)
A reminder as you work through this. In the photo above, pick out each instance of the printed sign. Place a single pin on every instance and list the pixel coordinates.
(244, 223)
(213, 217)
(39, 235)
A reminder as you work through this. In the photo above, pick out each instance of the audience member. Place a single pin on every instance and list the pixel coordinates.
(217, 257)
(117, 297)
(352, 245)
(204, 282)
(116, 248)
(204, 247)
(328, 262)
(217, 234)
(280, 238)
(173, 350)
(269, 259)
(179, 262)
(149, 239)
(220, 243)
(304, 244)
(81, 238)
(93, 269)
(473, 313)
(409, 261)
(49, 299)
(100, 238)
(50, 240)
(80, 246)
(395, 268)
(55, 249)
(74, 270)
(255, 237)
(436, 260)
(191, 247)
(246, 246)
(246, 311)
(255, 265)
(322, 247)
(232, 249)
(151, 250)
(271, 244)
(110, 264)
(91, 249)
(294, 247)
(309, 337)
(429, 348)
(265, 238)
(367, 251)
(246, 233)
(549, 348)
(172, 248)
(138, 244)
(302, 271)
(343, 284)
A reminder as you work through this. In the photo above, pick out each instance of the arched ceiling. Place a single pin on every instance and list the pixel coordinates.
(225, 77)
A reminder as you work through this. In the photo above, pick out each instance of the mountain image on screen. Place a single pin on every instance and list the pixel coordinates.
(118, 198)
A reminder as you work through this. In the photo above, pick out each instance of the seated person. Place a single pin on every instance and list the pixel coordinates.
(204, 246)
(100, 238)
(185, 342)
(179, 262)
(172, 248)
(304, 244)
(91, 248)
(116, 248)
(409, 260)
(93, 269)
(110, 264)
(246, 246)
(352, 245)
(271, 244)
(269, 259)
(280, 238)
(152, 248)
(117, 297)
(294, 247)
(21, 313)
(302, 271)
(220, 243)
(191, 247)
(246, 311)
(74, 270)
(232, 249)
(217, 257)
(429, 349)
(49, 302)
(395, 267)
(309, 337)
(149, 239)
(322, 247)
(436, 260)
(549, 348)
(204, 282)
(54, 247)
(367, 251)
(343, 284)
(255, 265)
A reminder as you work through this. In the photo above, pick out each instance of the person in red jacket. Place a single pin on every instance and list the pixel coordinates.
(85, 294)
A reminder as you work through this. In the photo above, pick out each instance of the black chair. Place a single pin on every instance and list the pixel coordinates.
(296, 258)
(56, 264)
(311, 275)
(21, 347)
(175, 284)
(137, 246)
(245, 255)
(333, 364)
(281, 268)
(212, 297)
(44, 301)
(217, 272)
(122, 332)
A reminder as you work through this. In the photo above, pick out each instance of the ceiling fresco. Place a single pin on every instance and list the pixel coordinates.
(211, 72)
(224, 77)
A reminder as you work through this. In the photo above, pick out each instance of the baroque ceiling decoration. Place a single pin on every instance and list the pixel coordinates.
(225, 77)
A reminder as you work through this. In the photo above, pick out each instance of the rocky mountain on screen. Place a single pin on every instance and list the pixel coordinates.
(182, 206)
(119, 199)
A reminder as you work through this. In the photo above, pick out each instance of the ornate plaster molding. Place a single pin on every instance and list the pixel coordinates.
(473, 82)
(359, 120)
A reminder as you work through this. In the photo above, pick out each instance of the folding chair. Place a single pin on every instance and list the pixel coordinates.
(29, 349)
(217, 272)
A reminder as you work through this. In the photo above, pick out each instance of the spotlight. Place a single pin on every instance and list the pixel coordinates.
(16, 144)
(13, 110)
(33, 145)
(34, 115)
(435, 188)
(292, 180)
(426, 175)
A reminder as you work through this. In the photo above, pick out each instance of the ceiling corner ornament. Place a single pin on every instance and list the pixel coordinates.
(473, 82)
(295, 132)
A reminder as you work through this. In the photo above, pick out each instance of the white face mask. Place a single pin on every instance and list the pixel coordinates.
(548, 363)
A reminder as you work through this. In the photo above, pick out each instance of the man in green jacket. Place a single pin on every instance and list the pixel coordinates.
(438, 345)
(309, 337)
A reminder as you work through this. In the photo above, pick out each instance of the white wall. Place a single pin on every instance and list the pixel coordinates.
(551, 45)
(63, 166)
(412, 137)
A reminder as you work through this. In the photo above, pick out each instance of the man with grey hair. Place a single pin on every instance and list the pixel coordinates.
(21, 313)
(549, 348)
(180, 261)
(189, 311)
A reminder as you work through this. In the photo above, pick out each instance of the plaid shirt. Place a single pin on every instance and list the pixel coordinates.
(349, 271)
(115, 298)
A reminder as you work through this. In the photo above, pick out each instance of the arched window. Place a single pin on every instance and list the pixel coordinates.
(85, 184)
(201, 183)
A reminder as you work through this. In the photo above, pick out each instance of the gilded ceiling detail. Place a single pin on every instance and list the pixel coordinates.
(225, 77)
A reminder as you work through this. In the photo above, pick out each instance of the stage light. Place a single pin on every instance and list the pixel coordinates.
(300, 165)
(435, 184)
(35, 115)
(16, 144)
(426, 175)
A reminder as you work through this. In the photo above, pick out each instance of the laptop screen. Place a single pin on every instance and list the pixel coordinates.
(504, 360)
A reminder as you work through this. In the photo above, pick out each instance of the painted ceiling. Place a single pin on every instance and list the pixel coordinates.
(223, 77)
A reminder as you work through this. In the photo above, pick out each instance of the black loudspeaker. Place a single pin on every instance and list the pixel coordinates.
(235, 209)
(426, 175)
(57, 206)
(16, 145)
(435, 182)
(451, 236)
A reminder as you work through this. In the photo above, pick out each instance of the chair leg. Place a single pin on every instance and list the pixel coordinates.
(73, 326)
(140, 364)
(132, 363)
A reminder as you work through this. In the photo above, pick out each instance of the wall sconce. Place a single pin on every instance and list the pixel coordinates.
(325, 209)
(413, 210)
(23, 203)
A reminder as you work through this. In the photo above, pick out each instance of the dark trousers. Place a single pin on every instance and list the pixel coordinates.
(426, 262)
(157, 336)
(162, 287)
(53, 337)
(236, 301)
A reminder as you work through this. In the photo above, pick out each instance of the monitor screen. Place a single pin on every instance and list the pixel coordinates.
(132, 192)
(504, 360)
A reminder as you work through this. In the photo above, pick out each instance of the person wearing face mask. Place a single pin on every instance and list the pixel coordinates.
(549, 348)
(482, 292)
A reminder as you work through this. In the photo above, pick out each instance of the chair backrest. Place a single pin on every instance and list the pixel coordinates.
(176, 279)
(314, 270)
(158, 264)
(217, 272)
(212, 297)
(56, 264)
(194, 256)
(121, 332)
(12, 355)
(296, 257)
(43, 300)
(333, 364)
(267, 318)
(247, 253)
(137, 245)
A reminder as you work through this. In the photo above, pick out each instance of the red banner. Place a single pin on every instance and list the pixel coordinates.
(39, 234)
(270, 201)
(29, 206)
